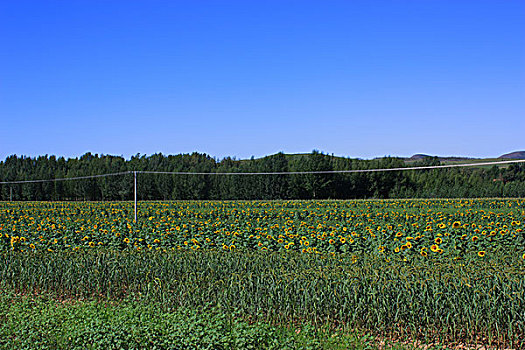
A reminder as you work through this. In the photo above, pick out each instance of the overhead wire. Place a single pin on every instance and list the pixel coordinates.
(265, 173)
(331, 171)
(64, 178)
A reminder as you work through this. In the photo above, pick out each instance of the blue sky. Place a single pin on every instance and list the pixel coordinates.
(360, 79)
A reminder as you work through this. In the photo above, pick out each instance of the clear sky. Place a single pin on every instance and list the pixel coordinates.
(239, 78)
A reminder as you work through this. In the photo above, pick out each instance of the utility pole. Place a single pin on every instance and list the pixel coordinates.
(10, 193)
(135, 186)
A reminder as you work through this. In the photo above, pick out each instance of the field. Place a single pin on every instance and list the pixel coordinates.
(422, 271)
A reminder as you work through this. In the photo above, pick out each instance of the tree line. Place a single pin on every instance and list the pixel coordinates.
(508, 181)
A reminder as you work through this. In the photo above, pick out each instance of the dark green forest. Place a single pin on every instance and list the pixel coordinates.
(507, 181)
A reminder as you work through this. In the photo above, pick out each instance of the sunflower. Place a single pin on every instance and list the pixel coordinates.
(456, 224)
(438, 240)
(423, 253)
(434, 247)
(481, 253)
(475, 238)
(91, 244)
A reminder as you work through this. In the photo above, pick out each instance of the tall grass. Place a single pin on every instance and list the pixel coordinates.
(449, 301)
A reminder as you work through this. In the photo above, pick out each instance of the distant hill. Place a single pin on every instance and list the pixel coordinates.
(514, 155)
(420, 156)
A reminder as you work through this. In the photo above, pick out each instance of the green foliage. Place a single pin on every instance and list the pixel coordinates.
(40, 322)
(429, 300)
(465, 182)
(36, 323)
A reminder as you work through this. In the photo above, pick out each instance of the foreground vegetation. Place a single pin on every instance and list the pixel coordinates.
(428, 300)
(40, 322)
(443, 271)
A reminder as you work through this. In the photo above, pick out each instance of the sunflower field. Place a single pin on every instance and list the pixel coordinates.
(407, 228)
(433, 271)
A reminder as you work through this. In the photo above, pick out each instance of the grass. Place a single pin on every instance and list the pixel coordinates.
(41, 322)
(432, 301)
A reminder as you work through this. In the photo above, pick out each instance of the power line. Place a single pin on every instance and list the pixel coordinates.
(64, 179)
(335, 171)
(266, 173)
